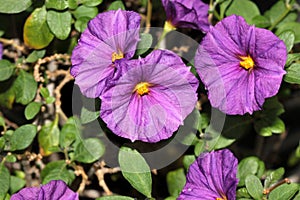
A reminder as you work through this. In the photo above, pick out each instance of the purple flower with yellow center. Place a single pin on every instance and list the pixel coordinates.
(211, 177)
(240, 65)
(109, 37)
(56, 189)
(151, 97)
(187, 14)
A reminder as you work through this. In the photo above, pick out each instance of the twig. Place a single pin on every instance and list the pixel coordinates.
(13, 44)
(149, 16)
(79, 171)
(100, 175)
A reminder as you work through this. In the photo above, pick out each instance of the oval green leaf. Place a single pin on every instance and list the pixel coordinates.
(35, 55)
(84, 11)
(4, 181)
(135, 170)
(36, 32)
(59, 23)
(57, 4)
(89, 150)
(286, 192)
(25, 87)
(91, 3)
(293, 74)
(32, 109)
(176, 181)
(288, 37)
(254, 187)
(6, 69)
(22, 137)
(144, 43)
(14, 6)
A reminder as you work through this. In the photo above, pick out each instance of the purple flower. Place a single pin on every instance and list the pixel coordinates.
(109, 37)
(57, 190)
(187, 14)
(1, 50)
(240, 65)
(151, 98)
(212, 177)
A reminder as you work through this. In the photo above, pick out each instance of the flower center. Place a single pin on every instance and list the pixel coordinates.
(218, 198)
(169, 26)
(117, 56)
(246, 62)
(142, 88)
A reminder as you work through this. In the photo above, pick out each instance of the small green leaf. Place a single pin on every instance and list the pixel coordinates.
(261, 21)
(116, 5)
(4, 181)
(144, 44)
(171, 198)
(115, 197)
(35, 55)
(50, 100)
(6, 69)
(87, 116)
(89, 150)
(275, 12)
(223, 7)
(91, 3)
(14, 6)
(135, 170)
(57, 4)
(266, 126)
(49, 137)
(72, 4)
(242, 192)
(188, 160)
(68, 135)
(248, 166)
(36, 31)
(273, 176)
(286, 192)
(254, 187)
(244, 8)
(25, 87)
(16, 184)
(290, 26)
(176, 181)
(61, 164)
(293, 74)
(11, 158)
(22, 137)
(57, 170)
(32, 109)
(84, 11)
(288, 38)
(81, 23)
(44, 92)
(292, 57)
(59, 23)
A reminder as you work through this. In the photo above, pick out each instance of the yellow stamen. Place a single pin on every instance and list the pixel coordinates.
(142, 88)
(218, 198)
(116, 56)
(247, 62)
(169, 26)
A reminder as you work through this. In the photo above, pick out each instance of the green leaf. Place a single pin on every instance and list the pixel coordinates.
(10, 158)
(135, 170)
(87, 116)
(91, 3)
(144, 43)
(244, 8)
(35, 55)
(7, 94)
(44, 92)
(267, 126)
(223, 7)
(114, 197)
(292, 57)
(242, 192)
(22, 137)
(290, 26)
(293, 74)
(288, 37)
(57, 170)
(81, 23)
(254, 187)
(275, 12)
(36, 31)
(248, 166)
(14, 6)
(6, 69)
(57, 4)
(188, 160)
(89, 150)
(25, 87)
(32, 109)
(4, 181)
(261, 21)
(16, 184)
(49, 137)
(50, 100)
(220, 142)
(84, 11)
(176, 181)
(69, 133)
(116, 5)
(59, 23)
(72, 4)
(286, 192)
(170, 198)
(273, 176)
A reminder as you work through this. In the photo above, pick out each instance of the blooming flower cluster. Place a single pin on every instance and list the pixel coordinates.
(211, 176)
(140, 98)
(56, 189)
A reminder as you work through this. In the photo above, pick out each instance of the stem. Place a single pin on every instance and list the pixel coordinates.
(149, 15)
(288, 8)
(168, 27)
